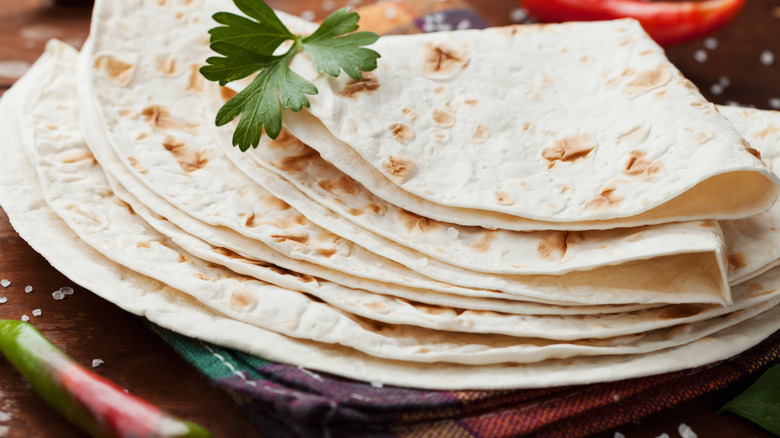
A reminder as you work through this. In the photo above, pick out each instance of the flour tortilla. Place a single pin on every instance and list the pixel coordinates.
(583, 126)
(175, 158)
(22, 200)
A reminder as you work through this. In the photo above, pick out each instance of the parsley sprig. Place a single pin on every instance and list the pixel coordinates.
(247, 46)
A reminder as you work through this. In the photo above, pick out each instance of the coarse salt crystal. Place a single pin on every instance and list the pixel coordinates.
(663, 435)
(66, 290)
(716, 89)
(308, 15)
(28, 289)
(711, 43)
(390, 13)
(732, 103)
(700, 55)
(5, 283)
(3, 300)
(685, 431)
(464, 24)
(25, 318)
(453, 232)
(328, 5)
(775, 103)
(619, 435)
(57, 295)
(423, 262)
(36, 312)
(767, 57)
(724, 81)
(377, 384)
(97, 362)
(517, 15)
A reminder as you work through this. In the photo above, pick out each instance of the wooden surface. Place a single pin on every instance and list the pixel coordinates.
(87, 327)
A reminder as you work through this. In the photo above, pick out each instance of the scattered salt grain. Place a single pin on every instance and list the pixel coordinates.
(686, 431)
(663, 435)
(97, 362)
(308, 15)
(700, 55)
(377, 384)
(57, 295)
(518, 15)
(452, 232)
(732, 103)
(619, 435)
(767, 57)
(25, 318)
(390, 13)
(328, 5)
(423, 262)
(711, 44)
(775, 103)
(36, 312)
(3, 300)
(5, 283)
(724, 81)
(716, 89)
(66, 290)
(28, 289)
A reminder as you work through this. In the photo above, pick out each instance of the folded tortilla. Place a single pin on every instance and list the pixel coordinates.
(571, 126)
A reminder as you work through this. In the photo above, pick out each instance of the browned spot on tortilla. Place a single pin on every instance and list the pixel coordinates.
(625, 41)
(703, 137)
(587, 59)
(183, 258)
(377, 306)
(166, 65)
(241, 299)
(125, 205)
(186, 2)
(180, 16)
(249, 222)
(443, 118)
(74, 156)
(300, 237)
(128, 113)
(688, 84)
(483, 244)
(431, 310)
(399, 167)
(554, 246)
(647, 80)
(189, 159)
(770, 130)
(752, 151)
(136, 165)
(504, 198)
(343, 185)
(144, 245)
(707, 224)
(637, 134)
(480, 133)
(355, 211)
(118, 72)
(284, 140)
(368, 84)
(275, 203)
(442, 60)
(196, 80)
(409, 113)
(571, 148)
(680, 311)
(639, 166)
(440, 90)
(472, 102)
(374, 209)
(754, 288)
(605, 198)
(646, 52)
(698, 104)
(441, 137)
(402, 132)
(227, 93)
(159, 118)
(746, 113)
(295, 163)
(141, 136)
(737, 261)
(326, 252)
(415, 223)
(661, 94)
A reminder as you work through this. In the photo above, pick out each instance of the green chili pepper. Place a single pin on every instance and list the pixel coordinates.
(92, 402)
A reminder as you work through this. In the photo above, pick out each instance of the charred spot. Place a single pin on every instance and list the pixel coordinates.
(369, 83)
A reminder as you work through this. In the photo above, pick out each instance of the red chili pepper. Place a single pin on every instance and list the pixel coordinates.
(667, 22)
(96, 404)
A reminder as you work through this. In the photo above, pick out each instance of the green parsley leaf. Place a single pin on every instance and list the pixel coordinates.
(247, 46)
(761, 402)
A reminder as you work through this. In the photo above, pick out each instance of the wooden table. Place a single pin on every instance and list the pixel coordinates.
(728, 68)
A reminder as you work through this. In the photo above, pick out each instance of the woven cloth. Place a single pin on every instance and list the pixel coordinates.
(288, 401)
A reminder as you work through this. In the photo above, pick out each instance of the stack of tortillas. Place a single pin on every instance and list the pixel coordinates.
(517, 207)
